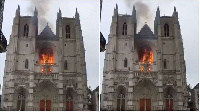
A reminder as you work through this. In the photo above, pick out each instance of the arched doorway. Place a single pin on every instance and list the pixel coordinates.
(21, 99)
(70, 97)
(46, 96)
(121, 98)
(169, 96)
(146, 93)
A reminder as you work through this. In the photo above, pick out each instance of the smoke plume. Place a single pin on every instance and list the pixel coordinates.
(43, 8)
(143, 13)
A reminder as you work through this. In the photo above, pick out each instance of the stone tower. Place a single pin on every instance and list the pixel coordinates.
(45, 71)
(144, 70)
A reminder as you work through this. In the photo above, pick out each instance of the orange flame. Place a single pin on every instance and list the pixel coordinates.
(146, 56)
(45, 58)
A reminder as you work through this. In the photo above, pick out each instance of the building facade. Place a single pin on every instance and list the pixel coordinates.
(195, 98)
(45, 71)
(95, 99)
(144, 70)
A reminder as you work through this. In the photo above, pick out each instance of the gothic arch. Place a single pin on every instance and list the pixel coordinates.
(166, 29)
(20, 98)
(67, 31)
(26, 30)
(121, 97)
(169, 98)
(145, 91)
(70, 99)
(124, 29)
(46, 91)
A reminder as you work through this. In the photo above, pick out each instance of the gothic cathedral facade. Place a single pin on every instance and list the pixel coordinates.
(45, 71)
(144, 70)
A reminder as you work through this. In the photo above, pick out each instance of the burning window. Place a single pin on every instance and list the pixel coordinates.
(146, 55)
(46, 60)
(145, 58)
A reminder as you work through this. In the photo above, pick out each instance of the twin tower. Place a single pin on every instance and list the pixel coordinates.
(144, 70)
(45, 71)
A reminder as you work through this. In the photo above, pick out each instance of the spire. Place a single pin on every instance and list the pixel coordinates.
(76, 14)
(133, 7)
(17, 11)
(35, 12)
(158, 12)
(59, 11)
(116, 10)
(18, 7)
(134, 14)
(59, 14)
(76, 10)
(77, 17)
(174, 9)
(175, 14)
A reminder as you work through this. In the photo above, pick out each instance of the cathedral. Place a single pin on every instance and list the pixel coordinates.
(45, 71)
(144, 71)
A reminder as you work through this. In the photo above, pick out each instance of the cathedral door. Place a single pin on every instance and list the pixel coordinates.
(69, 106)
(169, 104)
(45, 105)
(21, 103)
(121, 102)
(145, 104)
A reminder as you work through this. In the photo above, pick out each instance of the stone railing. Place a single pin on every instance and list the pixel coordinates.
(46, 76)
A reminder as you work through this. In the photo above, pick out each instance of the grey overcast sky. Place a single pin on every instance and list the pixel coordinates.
(188, 11)
(89, 18)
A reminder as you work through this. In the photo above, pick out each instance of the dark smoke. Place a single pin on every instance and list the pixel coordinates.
(144, 15)
(43, 8)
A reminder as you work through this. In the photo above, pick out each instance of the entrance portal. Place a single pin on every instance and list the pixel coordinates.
(145, 104)
(45, 105)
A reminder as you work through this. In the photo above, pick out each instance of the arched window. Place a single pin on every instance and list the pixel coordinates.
(125, 62)
(120, 102)
(65, 65)
(124, 31)
(26, 63)
(67, 29)
(26, 30)
(166, 29)
(165, 64)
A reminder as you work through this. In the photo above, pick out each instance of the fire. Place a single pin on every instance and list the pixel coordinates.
(146, 56)
(46, 59)
(142, 68)
(42, 70)
(145, 59)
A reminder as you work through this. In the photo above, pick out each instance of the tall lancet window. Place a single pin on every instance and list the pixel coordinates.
(67, 29)
(65, 65)
(124, 31)
(166, 29)
(26, 63)
(26, 30)
(165, 64)
(125, 62)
